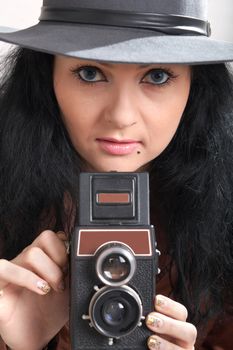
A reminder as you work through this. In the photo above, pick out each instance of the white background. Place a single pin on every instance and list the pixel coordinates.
(24, 13)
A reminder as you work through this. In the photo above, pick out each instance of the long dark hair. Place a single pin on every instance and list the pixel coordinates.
(191, 181)
(36, 156)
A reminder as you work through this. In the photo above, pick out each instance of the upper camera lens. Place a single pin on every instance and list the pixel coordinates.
(115, 264)
(116, 267)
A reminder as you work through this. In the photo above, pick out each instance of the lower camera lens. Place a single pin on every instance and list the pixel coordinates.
(115, 311)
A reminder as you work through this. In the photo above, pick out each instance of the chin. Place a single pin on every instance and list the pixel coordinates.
(117, 164)
(123, 167)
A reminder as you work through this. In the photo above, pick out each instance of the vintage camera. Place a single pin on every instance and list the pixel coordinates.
(113, 263)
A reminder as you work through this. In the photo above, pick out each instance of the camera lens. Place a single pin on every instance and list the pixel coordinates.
(115, 311)
(116, 267)
(115, 264)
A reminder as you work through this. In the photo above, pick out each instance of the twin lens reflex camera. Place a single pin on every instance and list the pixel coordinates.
(113, 263)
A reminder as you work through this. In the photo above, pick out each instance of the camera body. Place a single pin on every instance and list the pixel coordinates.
(113, 263)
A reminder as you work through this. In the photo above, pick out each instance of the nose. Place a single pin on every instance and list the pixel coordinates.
(122, 111)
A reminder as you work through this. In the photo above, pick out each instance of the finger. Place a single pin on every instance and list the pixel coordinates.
(171, 308)
(36, 260)
(65, 239)
(184, 333)
(53, 246)
(157, 343)
(19, 276)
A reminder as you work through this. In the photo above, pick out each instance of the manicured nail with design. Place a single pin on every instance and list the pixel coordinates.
(160, 301)
(67, 245)
(43, 286)
(154, 343)
(154, 321)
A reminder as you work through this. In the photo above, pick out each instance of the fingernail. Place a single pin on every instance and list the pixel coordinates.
(1, 292)
(43, 286)
(154, 321)
(62, 286)
(67, 246)
(160, 301)
(154, 343)
(61, 233)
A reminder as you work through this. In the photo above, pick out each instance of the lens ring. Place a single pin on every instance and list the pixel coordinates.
(110, 324)
(115, 249)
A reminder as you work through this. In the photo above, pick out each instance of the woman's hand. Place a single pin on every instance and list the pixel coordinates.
(34, 302)
(169, 324)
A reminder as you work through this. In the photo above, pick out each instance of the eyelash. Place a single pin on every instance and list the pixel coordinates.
(76, 71)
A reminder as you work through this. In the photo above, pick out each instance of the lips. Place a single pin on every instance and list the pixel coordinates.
(118, 147)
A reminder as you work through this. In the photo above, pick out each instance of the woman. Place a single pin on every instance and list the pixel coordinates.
(122, 86)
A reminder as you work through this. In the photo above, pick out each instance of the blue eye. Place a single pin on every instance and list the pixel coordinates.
(90, 74)
(158, 77)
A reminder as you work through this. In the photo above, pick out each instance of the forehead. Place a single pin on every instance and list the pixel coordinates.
(64, 61)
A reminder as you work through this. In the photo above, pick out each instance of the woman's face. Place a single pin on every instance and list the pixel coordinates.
(120, 116)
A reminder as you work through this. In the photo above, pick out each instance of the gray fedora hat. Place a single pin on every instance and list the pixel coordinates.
(125, 31)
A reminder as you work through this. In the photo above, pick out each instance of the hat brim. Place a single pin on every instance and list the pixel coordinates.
(119, 45)
(7, 29)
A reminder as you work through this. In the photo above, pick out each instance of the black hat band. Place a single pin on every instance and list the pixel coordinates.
(167, 24)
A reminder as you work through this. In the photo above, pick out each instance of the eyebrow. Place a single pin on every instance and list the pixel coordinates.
(140, 66)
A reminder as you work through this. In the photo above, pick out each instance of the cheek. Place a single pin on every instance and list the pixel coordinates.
(177, 103)
(74, 109)
(166, 118)
(170, 118)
